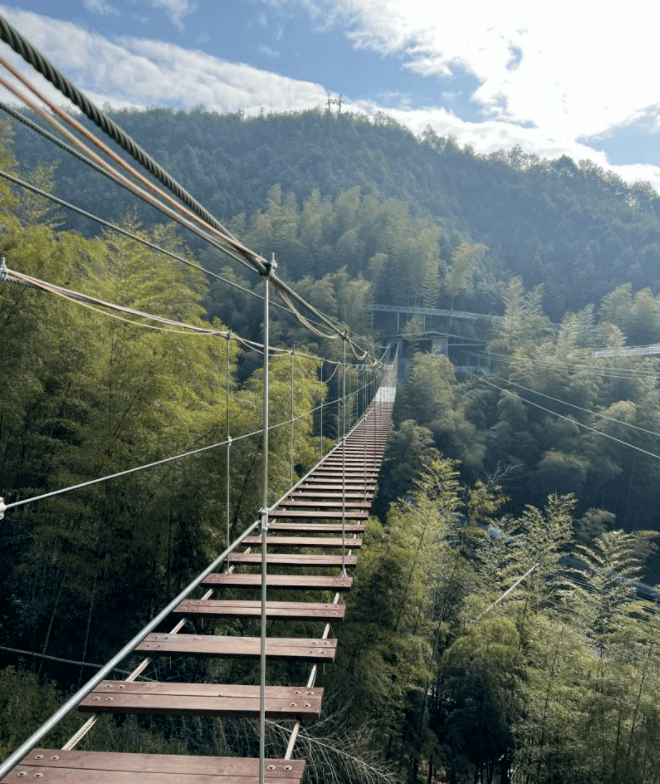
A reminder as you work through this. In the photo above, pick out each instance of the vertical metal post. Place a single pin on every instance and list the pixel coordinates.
(343, 465)
(293, 357)
(264, 531)
(365, 425)
(322, 407)
(228, 473)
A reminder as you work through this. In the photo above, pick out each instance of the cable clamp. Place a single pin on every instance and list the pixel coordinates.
(3, 271)
(2, 504)
(269, 266)
(229, 440)
(263, 513)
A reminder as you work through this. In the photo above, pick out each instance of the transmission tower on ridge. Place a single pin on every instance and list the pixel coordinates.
(336, 101)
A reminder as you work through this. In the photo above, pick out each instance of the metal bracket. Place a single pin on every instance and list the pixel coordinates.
(3, 272)
(270, 266)
(2, 508)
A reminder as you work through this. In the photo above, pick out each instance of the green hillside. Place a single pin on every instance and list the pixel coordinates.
(567, 224)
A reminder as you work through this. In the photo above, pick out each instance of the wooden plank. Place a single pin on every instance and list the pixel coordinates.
(303, 541)
(318, 528)
(294, 559)
(243, 608)
(320, 504)
(357, 457)
(55, 766)
(330, 494)
(352, 459)
(299, 514)
(202, 699)
(352, 468)
(300, 648)
(354, 473)
(284, 581)
(321, 484)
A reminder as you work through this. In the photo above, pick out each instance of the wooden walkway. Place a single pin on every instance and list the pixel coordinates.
(324, 514)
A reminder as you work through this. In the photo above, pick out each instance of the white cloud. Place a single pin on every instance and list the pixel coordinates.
(177, 9)
(140, 72)
(493, 135)
(99, 7)
(581, 68)
(268, 51)
(539, 92)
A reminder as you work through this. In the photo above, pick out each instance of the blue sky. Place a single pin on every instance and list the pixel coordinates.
(567, 79)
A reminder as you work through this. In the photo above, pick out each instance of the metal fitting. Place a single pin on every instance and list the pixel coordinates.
(3, 508)
(3, 269)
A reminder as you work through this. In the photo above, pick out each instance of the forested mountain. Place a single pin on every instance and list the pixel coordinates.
(547, 467)
(578, 229)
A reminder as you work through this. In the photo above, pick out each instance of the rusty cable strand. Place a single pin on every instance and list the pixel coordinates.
(107, 224)
(116, 159)
(124, 181)
(104, 168)
(86, 299)
(33, 57)
(302, 319)
(112, 226)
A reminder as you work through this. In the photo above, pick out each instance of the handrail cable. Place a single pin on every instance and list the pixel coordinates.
(568, 419)
(579, 408)
(33, 57)
(12, 276)
(41, 64)
(114, 227)
(5, 507)
(595, 369)
(13, 759)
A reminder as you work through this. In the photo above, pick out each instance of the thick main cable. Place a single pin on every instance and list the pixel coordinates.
(33, 57)
(125, 232)
(238, 251)
(220, 240)
(104, 168)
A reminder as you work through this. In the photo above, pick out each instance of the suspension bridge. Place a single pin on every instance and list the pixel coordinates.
(289, 567)
(314, 527)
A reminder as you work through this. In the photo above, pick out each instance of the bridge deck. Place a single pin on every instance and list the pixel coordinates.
(340, 488)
